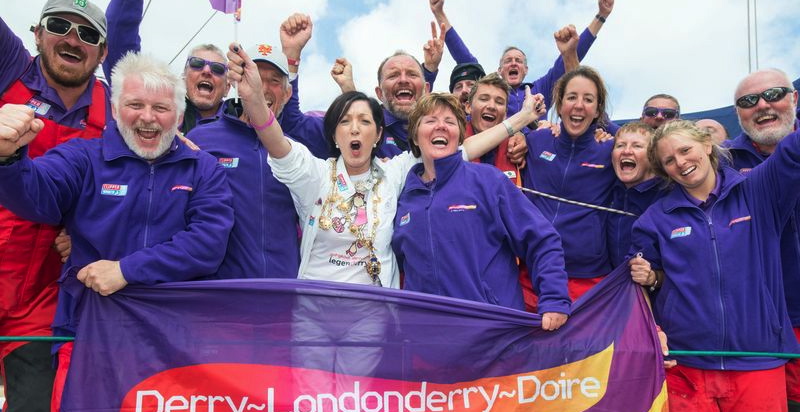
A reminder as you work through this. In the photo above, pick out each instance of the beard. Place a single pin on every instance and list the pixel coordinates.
(773, 135)
(399, 113)
(165, 139)
(63, 76)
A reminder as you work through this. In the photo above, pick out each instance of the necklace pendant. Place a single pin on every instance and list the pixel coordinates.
(324, 222)
(374, 270)
(344, 207)
(354, 229)
(358, 201)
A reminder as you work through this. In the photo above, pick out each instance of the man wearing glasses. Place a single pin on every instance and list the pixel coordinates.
(60, 86)
(766, 104)
(660, 109)
(264, 241)
(206, 85)
(204, 69)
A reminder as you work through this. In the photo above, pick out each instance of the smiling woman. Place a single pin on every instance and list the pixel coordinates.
(460, 226)
(574, 166)
(715, 237)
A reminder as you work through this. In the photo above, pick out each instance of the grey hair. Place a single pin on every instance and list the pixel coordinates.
(155, 75)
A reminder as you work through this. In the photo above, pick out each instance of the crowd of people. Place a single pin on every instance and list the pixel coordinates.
(416, 189)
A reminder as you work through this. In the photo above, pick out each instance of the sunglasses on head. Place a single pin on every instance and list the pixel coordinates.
(773, 94)
(668, 114)
(60, 27)
(196, 63)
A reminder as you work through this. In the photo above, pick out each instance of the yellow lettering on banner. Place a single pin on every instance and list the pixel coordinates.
(660, 402)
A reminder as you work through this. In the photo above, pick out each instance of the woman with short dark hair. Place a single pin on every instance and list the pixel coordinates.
(346, 204)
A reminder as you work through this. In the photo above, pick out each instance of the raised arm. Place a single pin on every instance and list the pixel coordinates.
(604, 8)
(458, 50)
(124, 18)
(433, 50)
(567, 43)
(295, 32)
(342, 74)
(242, 71)
(14, 59)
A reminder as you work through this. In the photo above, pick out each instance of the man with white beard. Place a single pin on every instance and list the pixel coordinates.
(766, 104)
(141, 206)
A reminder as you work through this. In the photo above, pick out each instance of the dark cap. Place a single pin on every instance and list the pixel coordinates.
(83, 8)
(465, 71)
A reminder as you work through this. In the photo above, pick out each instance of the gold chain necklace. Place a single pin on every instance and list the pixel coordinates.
(373, 265)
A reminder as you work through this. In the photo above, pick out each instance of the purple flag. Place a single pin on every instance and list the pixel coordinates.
(290, 345)
(228, 7)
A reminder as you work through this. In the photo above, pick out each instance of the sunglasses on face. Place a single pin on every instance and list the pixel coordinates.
(196, 63)
(60, 27)
(773, 94)
(668, 114)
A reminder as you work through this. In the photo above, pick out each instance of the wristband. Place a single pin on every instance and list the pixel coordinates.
(654, 286)
(13, 158)
(509, 129)
(601, 18)
(293, 62)
(266, 124)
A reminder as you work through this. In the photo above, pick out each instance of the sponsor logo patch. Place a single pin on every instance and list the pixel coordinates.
(592, 165)
(406, 219)
(739, 220)
(229, 162)
(39, 107)
(390, 140)
(745, 170)
(461, 208)
(547, 156)
(181, 187)
(109, 189)
(681, 232)
(311, 220)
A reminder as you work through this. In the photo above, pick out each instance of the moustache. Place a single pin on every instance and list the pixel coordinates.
(66, 48)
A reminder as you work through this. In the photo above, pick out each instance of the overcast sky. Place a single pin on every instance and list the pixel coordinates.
(694, 50)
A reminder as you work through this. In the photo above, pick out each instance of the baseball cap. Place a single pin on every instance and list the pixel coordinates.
(266, 53)
(466, 71)
(83, 8)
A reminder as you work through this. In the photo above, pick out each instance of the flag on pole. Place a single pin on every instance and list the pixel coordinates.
(228, 7)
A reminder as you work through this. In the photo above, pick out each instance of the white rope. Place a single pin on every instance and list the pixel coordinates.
(574, 202)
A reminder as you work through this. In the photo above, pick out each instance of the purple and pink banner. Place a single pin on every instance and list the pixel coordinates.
(292, 346)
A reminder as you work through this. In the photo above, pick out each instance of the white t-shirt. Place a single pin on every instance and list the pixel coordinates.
(337, 253)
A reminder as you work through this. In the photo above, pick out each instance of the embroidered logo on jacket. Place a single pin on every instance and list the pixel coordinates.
(511, 174)
(592, 165)
(461, 208)
(229, 162)
(745, 170)
(181, 187)
(739, 220)
(406, 219)
(547, 156)
(311, 220)
(110, 189)
(681, 232)
(390, 140)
